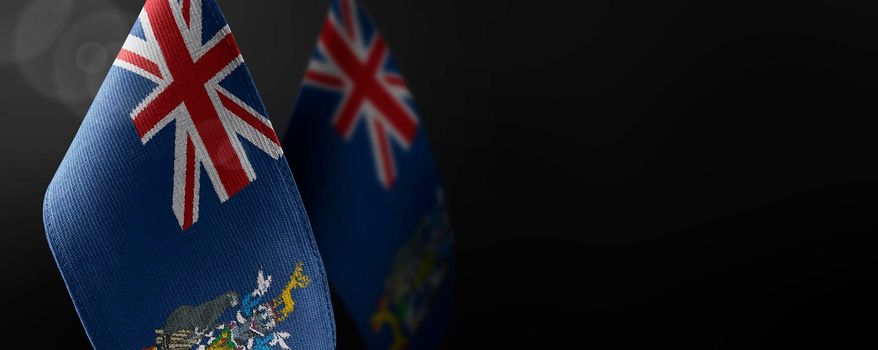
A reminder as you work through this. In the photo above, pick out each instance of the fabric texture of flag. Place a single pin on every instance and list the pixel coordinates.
(174, 217)
(369, 180)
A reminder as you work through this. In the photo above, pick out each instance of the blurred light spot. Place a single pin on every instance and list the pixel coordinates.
(85, 55)
(39, 27)
(9, 13)
(73, 71)
(92, 57)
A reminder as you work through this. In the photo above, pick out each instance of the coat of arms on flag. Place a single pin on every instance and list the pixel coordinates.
(359, 152)
(253, 326)
(175, 197)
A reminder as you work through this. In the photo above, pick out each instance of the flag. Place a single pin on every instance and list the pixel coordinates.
(361, 155)
(174, 218)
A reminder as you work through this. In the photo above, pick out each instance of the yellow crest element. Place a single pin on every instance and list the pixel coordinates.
(385, 317)
(297, 280)
(414, 280)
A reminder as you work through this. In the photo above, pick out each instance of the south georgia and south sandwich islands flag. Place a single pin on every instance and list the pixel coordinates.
(363, 162)
(174, 217)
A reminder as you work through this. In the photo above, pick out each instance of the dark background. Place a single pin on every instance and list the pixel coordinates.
(695, 174)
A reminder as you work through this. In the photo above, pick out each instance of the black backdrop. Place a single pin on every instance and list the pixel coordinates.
(620, 174)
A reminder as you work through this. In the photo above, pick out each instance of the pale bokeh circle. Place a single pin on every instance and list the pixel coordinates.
(9, 12)
(92, 58)
(73, 70)
(40, 24)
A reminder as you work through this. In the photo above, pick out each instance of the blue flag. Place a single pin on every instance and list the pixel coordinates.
(174, 218)
(370, 183)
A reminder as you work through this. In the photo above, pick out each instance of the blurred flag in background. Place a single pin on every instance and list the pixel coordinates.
(370, 184)
(174, 217)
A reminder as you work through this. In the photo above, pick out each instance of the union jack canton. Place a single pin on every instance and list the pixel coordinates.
(189, 65)
(353, 59)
